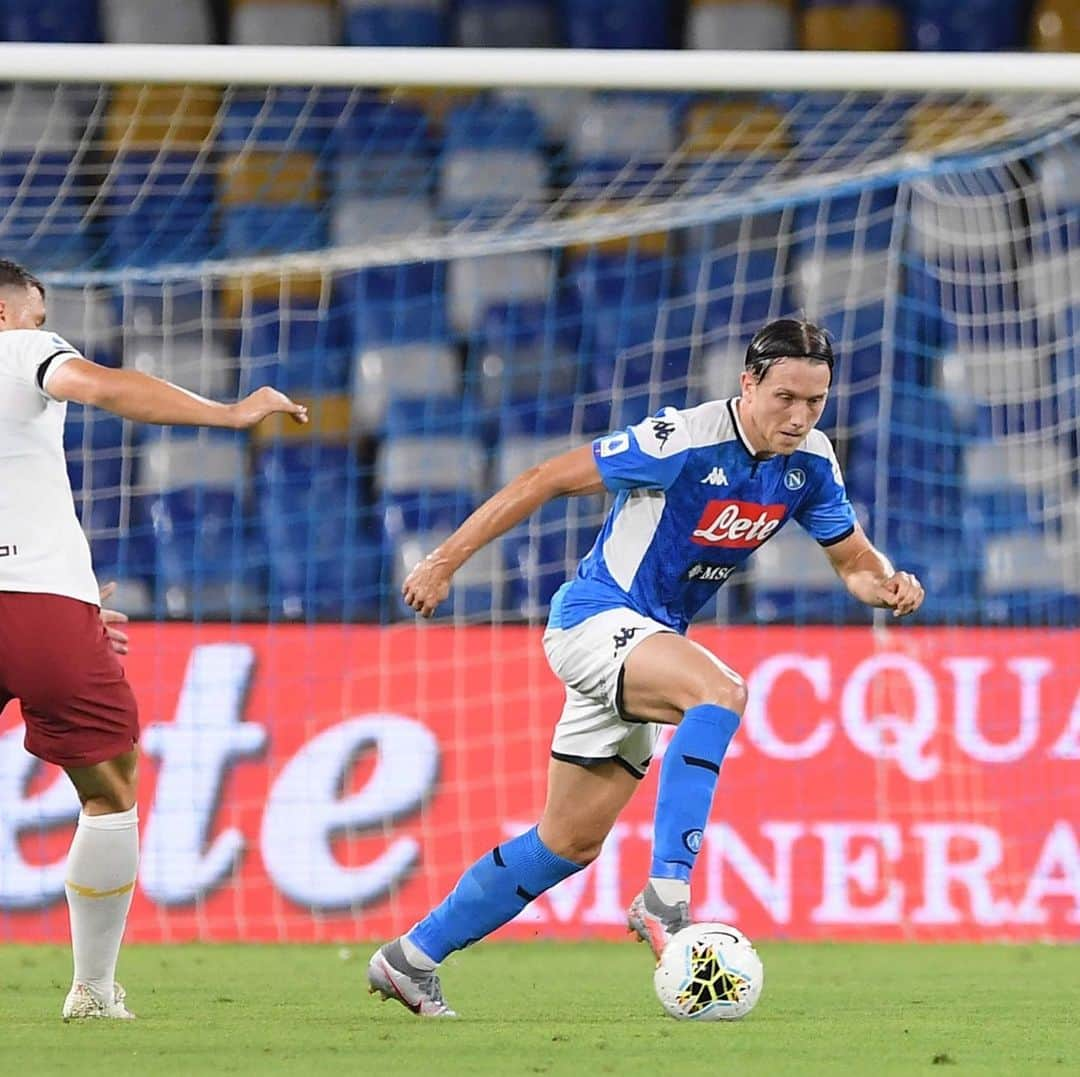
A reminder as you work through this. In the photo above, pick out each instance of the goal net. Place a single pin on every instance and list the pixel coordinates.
(462, 281)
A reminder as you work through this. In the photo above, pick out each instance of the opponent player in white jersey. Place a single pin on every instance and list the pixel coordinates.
(697, 491)
(57, 657)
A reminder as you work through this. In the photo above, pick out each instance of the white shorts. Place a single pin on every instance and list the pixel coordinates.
(588, 659)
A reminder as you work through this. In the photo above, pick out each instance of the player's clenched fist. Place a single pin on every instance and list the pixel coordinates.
(902, 593)
(428, 584)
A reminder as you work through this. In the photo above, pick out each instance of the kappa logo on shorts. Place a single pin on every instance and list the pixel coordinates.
(737, 525)
(623, 637)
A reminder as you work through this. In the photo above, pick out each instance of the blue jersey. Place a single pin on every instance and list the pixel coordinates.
(692, 503)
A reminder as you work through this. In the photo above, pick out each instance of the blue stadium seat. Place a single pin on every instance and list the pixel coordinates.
(492, 162)
(45, 219)
(631, 24)
(99, 468)
(400, 304)
(196, 485)
(321, 560)
(49, 21)
(399, 380)
(158, 208)
(524, 352)
(382, 149)
(475, 284)
(1006, 483)
(298, 348)
(505, 24)
(971, 26)
(416, 23)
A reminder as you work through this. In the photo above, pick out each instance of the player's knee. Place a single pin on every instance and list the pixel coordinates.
(722, 689)
(578, 848)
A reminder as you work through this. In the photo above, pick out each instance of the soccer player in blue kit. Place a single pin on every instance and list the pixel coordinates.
(696, 492)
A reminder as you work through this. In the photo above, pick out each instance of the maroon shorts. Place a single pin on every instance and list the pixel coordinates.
(55, 658)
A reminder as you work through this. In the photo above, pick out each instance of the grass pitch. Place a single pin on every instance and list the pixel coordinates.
(548, 1008)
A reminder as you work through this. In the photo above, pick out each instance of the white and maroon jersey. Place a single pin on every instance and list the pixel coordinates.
(42, 547)
(693, 502)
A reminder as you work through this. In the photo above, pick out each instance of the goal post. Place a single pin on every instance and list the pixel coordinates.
(466, 261)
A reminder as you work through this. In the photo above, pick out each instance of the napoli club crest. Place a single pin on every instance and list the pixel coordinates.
(795, 479)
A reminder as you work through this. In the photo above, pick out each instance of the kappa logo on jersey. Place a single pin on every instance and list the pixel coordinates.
(795, 479)
(662, 430)
(737, 525)
(716, 477)
(704, 572)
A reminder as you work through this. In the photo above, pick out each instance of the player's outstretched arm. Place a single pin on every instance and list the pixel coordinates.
(146, 399)
(869, 575)
(567, 475)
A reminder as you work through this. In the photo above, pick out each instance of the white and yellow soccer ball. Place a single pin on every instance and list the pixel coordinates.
(709, 972)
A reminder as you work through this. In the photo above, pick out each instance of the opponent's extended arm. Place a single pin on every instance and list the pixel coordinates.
(570, 474)
(146, 399)
(869, 575)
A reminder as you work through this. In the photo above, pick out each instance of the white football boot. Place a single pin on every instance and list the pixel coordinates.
(391, 976)
(82, 1003)
(654, 922)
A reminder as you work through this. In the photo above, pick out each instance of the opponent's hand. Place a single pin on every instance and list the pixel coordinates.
(902, 593)
(265, 401)
(428, 584)
(118, 639)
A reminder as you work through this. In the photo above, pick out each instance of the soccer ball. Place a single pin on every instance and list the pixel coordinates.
(709, 972)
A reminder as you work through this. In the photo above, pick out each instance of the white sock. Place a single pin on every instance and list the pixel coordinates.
(101, 870)
(671, 891)
(415, 956)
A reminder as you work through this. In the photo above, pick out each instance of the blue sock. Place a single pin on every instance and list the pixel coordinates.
(687, 780)
(491, 893)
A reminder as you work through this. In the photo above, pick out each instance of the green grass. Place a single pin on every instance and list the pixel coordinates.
(578, 1009)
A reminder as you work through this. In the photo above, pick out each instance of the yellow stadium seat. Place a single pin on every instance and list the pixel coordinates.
(329, 419)
(262, 177)
(938, 127)
(861, 27)
(171, 118)
(240, 292)
(734, 127)
(1055, 26)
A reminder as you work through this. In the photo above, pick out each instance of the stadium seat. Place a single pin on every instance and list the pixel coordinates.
(87, 319)
(398, 304)
(845, 286)
(622, 128)
(1028, 580)
(973, 26)
(630, 24)
(147, 22)
(998, 391)
(49, 21)
(517, 24)
(739, 24)
(283, 22)
(321, 560)
(1055, 26)
(870, 25)
(417, 371)
(524, 352)
(416, 23)
(98, 450)
(297, 347)
(492, 162)
(474, 284)
(196, 485)
(381, 172)
(45, 220)
(1009, 481)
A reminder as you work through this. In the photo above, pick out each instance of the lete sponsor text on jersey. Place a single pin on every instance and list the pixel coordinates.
(737, 524)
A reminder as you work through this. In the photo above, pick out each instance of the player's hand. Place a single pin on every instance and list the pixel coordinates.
(902, 593)
(118, 639)
(265, 401)
(428, 584)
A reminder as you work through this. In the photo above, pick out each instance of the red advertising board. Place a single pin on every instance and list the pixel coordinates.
(331, 782)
